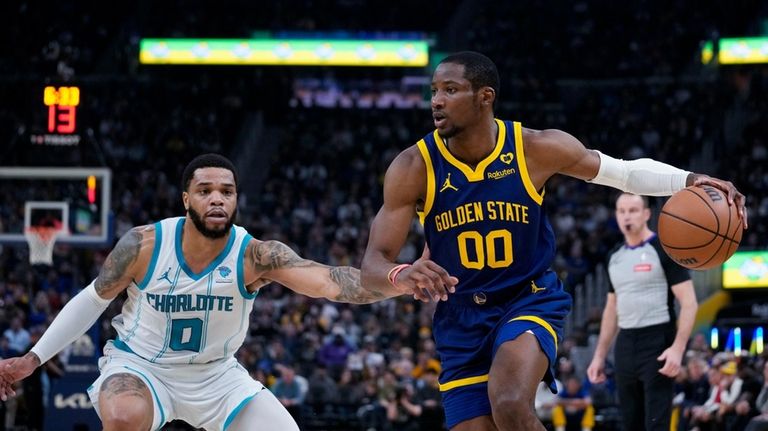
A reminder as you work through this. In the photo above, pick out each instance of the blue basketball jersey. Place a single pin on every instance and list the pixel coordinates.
(485, 225)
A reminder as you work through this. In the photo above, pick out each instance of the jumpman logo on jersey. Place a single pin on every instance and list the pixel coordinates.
(535, 288)
(447, 184)
(165, 276)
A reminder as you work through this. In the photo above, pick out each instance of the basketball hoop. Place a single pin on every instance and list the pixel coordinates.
(41, 240)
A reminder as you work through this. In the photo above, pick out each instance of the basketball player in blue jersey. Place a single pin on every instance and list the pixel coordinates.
(477, 184)
(191, 282)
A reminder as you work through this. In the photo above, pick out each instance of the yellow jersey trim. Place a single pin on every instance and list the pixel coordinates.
(463, 382)
(529, 187)
(541, 322)
(430, 198)
(476, 174)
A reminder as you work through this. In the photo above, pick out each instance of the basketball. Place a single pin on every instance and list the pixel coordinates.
(698, 229)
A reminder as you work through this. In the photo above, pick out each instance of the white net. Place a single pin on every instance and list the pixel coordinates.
(41, 240)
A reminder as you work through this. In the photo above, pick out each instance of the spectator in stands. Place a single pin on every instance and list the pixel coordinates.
(372, 413)
(424, 362)
(760, 422)
(333, 355)
(351, 391)
(737, 418)
(18, 336)
(695, 388)
(428, 394)
(640, 309)
(322, 388)
(291, 390)
(5, 348)
(403, 411)
(725, 390)
(731, 389)
(574, 411)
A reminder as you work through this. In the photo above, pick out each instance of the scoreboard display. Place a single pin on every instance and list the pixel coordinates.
(61, 104)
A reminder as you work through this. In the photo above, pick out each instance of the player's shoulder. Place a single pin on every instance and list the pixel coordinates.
(410, 159)
(135, 249)
(141, 237)
(546, 137)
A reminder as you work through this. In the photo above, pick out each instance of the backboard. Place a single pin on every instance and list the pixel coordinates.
(77, 198)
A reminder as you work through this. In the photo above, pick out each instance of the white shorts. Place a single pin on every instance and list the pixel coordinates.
(203, 395)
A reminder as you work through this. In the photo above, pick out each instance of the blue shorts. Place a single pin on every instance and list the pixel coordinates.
(470, 328)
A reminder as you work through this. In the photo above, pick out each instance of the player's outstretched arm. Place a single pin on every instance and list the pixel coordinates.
(83, 309)
(404, 188)
(555, 151)
(267, 261)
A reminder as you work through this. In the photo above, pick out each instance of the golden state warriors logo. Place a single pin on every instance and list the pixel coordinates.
(447, 184)
(507, 158)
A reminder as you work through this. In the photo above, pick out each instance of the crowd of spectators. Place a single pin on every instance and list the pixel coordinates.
(715, 391)
(337, 366)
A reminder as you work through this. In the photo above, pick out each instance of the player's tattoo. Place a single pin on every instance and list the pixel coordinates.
(125, 253)
(269, 255)
(348, 280)
(122, 383)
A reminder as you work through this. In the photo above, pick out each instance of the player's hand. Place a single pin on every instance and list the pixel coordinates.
(14, 369)
(733, 195)
(427, 281)
(596, 371)
(672, 358)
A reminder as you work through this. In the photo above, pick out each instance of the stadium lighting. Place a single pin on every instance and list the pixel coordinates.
(736, 50)
(285, 52)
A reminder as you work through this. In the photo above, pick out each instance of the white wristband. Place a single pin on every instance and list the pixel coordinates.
(80, 313)
(641, 177)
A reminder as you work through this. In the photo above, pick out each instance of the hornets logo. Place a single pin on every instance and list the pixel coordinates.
(224, 271)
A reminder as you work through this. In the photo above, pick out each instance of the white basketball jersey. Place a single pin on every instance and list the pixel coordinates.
(177, 316)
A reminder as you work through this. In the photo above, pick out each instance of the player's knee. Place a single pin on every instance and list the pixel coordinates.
(127, 416)
(133, 414)
(514, 404)
(121, 424)
(125, 404)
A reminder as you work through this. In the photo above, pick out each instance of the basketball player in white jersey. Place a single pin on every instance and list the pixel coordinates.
(191, 282)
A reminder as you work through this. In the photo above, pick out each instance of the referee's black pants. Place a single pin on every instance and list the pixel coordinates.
(645, 395)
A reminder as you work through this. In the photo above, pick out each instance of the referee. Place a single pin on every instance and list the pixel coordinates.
(649, 347)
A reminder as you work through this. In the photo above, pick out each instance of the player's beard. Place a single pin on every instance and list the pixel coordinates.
(211, 233)
(450, 133)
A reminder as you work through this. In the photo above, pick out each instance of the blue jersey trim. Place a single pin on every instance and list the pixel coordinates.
(120, 344)
(240, 269)
(237, 409)
(154, 393)
(211, 266)
(155, 254)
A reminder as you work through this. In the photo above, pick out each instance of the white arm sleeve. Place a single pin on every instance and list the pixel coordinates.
(641, 177)
(73, 320)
